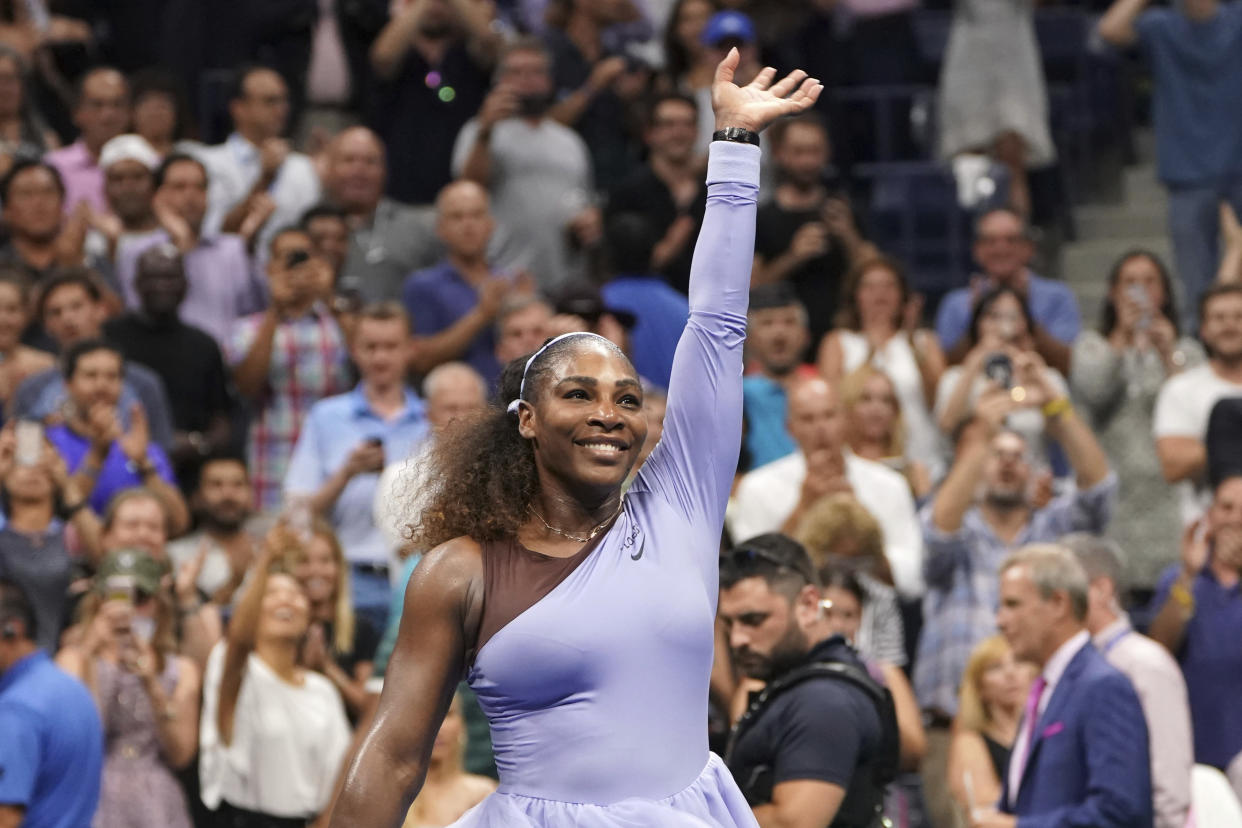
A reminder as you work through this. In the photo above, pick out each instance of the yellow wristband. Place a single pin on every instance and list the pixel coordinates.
(1182, 596)
(1055, 408)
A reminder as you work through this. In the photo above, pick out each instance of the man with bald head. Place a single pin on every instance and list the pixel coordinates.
(454, 304)
(774, 497)
(1003, 250)
(387, 239)
(101, 112)
(186, 358)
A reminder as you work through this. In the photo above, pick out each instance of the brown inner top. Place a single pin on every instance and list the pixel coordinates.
(515, 579)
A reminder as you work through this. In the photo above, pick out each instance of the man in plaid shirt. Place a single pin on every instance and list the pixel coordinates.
(287, 358)
(967, 541)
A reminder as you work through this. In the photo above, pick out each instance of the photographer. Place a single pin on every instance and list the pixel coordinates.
(40, 500)
(1116, 373)
(1000, 336)
(146, 693)
(287, 358)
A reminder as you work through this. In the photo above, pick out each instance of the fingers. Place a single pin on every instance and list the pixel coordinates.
(726, 68)
(787, 84)
(806, 94)
(764, 79)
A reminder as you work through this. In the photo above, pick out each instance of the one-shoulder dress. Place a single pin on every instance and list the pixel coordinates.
(597, 692)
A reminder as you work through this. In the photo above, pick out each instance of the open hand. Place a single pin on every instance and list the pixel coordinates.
(1195, 547)
(137, 438)
(760, 102)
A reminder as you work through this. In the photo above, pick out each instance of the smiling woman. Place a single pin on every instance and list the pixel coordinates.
(582, 618)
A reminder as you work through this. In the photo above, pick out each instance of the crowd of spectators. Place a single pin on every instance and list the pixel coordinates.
(255, 255)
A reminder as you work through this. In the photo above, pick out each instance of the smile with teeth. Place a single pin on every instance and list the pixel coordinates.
(603, 445)
(283, 614)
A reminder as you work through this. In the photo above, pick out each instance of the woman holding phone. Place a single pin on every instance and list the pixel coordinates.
(147, 693)
(41, 502)
(1116, 371)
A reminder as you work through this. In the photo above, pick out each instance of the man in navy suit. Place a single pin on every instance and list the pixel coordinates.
(1081, 756)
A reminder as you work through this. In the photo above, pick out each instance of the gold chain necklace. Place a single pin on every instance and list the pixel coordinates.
(575, 538)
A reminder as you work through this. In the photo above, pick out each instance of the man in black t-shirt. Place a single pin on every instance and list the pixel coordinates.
(807, 234)
(669, 190)
(818, 745)
(434, 66)
(186, 358)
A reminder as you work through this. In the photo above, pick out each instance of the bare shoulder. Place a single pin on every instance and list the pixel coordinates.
(452, 566)
(449, 578)
(477, 787)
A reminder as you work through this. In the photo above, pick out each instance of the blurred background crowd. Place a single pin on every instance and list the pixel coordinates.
(255, 254)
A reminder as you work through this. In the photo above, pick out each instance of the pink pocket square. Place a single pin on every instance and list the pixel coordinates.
(1053, 729)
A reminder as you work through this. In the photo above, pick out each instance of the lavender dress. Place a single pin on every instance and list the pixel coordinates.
(139, 790)
(597, 694)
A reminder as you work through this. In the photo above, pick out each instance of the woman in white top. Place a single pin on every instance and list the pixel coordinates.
(1000, 327)
(877, 325)
(273, 734)
(875, 426)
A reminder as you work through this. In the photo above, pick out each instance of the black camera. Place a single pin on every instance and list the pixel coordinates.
(999, 369)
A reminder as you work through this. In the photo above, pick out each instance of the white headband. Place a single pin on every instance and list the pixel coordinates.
(513, 406)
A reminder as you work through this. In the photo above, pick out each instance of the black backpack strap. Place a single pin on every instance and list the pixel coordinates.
(883, 768)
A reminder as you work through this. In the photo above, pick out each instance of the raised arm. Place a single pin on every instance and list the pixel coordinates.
(438, 625)
(697, 456)
(1117, 24)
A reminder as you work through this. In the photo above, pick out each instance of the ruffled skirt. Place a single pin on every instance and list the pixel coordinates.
(711, 801)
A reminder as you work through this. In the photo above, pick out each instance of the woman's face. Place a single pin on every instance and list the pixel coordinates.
(878, 296)
(588, 423)
(1139, 277)
(285, 613)
(317, 570)
(451, 735)
(155, 117)
(1005, 683)
(691, 18)
(844, 617)
(876, 409)
(12, 315)
(1004, 321)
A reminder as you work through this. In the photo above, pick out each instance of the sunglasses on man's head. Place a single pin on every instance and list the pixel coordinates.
(749, 557)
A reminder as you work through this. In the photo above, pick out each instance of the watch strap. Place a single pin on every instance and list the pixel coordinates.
(738, 135)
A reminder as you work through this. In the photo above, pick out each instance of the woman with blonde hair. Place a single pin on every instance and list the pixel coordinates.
(839, 529)
(147, 694)
(340, 644)
(875, 425)
(994, 688)
(449, 791)
(879, 325)
(273, 734)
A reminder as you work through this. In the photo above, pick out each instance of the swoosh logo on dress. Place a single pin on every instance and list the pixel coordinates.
(639, 553)
(628, 542)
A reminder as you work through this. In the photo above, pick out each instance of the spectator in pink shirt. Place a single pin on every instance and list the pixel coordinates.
(101, 112)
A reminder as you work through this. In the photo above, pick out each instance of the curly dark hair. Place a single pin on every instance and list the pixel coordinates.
(478, 477)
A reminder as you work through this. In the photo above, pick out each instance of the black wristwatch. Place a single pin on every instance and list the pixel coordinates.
(738, 135)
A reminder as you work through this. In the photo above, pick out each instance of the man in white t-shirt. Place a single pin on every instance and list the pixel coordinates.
(773, 498)
(537, 171)
(1186, 400)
